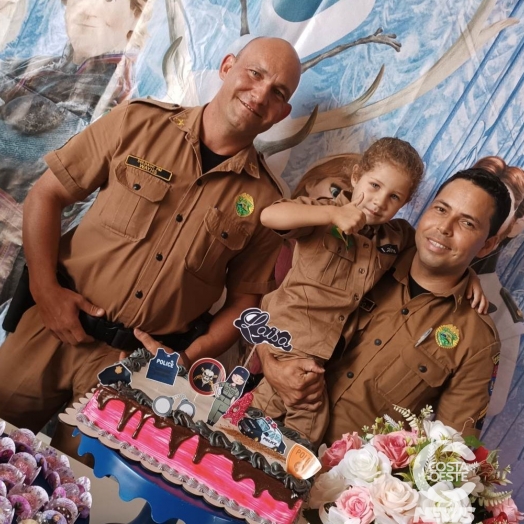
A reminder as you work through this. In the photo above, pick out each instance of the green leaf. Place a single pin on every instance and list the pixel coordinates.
(473, 442)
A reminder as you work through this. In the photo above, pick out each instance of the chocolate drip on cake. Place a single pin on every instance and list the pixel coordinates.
(244, 470)
(131, 407)
(183, 428)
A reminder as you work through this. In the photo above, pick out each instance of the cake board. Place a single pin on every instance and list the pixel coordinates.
(166, 502)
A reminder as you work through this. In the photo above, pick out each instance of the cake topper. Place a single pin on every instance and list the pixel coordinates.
(226, 393)
(204, 374)
(163, 367)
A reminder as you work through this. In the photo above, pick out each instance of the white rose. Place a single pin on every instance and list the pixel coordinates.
(334, 516)
(394, 501)
(437, 431)
(364, 465)
(445, 504)
(327, 488)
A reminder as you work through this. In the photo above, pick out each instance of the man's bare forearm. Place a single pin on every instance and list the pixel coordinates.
(41, 231)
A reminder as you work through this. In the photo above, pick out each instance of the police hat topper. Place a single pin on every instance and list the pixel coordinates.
(113, 374)
(253, 325)
(204, 374)
(163, 367)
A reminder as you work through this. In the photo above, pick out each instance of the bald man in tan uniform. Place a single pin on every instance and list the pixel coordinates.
(415, 340)
(176, 220)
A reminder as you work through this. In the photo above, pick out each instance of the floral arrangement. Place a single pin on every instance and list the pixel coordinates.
(22, 458)
(427, 474)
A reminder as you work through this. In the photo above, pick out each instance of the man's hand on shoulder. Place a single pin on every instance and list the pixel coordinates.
(59, 308)
(299, 382)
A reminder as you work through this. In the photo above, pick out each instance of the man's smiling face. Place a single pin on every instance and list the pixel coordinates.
(454, 229)
(258, 83)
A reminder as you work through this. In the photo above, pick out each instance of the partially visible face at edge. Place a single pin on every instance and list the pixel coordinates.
(381, 192)
(257, 85)
(328, 187)
(454, 229)
(97, 27)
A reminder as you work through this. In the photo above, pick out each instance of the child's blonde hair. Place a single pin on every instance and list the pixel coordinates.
(391, 150)
(388, 150)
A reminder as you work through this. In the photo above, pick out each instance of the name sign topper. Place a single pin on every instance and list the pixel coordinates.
(253, 327)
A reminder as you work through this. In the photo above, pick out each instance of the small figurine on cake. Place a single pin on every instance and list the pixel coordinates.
(227, 393)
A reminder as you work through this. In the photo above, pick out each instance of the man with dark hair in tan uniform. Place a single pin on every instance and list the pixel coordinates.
(415, 340)
(176, 220)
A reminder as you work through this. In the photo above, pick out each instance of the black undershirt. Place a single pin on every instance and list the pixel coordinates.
(209, 158)
(414, 288)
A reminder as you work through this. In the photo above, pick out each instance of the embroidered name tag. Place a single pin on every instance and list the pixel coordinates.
(148, 167)
(388, 249)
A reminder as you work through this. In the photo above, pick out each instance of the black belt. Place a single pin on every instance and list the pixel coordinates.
(116, 335)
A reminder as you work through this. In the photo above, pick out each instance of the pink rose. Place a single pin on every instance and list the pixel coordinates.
(394, 445)
(510, 509)
(335, 453)
(355, 503)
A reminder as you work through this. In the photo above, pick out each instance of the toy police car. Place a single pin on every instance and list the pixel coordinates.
(260, 431)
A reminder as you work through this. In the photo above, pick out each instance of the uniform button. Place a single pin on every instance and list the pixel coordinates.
(350, 374)
(136, 187)
(159, 257)
(199, 182)
(366, 244)
(139, 294)
(356, 297)
(422, 369)
(341, 318)
(179, 218)
(361, 270)
(224, 234)
(378, 342)
(405, 311)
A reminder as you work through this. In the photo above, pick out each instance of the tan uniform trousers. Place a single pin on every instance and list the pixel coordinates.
(39, 374)
(310, 424)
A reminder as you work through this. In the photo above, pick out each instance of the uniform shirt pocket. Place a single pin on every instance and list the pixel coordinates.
(332, 262)
(217, 241)
(415, 379)
(131, 202)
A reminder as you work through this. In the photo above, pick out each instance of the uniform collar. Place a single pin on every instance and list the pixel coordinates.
(189, 120)
(401, 272)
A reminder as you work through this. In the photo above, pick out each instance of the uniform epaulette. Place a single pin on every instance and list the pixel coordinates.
(158, 103)
(281, 185)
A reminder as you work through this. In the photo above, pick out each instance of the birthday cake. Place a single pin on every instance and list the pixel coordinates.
(212, 442)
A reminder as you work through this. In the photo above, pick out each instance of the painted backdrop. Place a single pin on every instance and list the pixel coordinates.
(446, 76)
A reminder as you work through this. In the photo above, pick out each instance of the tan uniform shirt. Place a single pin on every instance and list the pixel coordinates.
(162, 238)
(329, 278)
(394, 358)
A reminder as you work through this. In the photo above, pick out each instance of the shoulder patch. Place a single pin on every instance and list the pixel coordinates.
(388, 249)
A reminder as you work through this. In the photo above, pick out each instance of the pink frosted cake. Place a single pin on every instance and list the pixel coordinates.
(215, 464)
